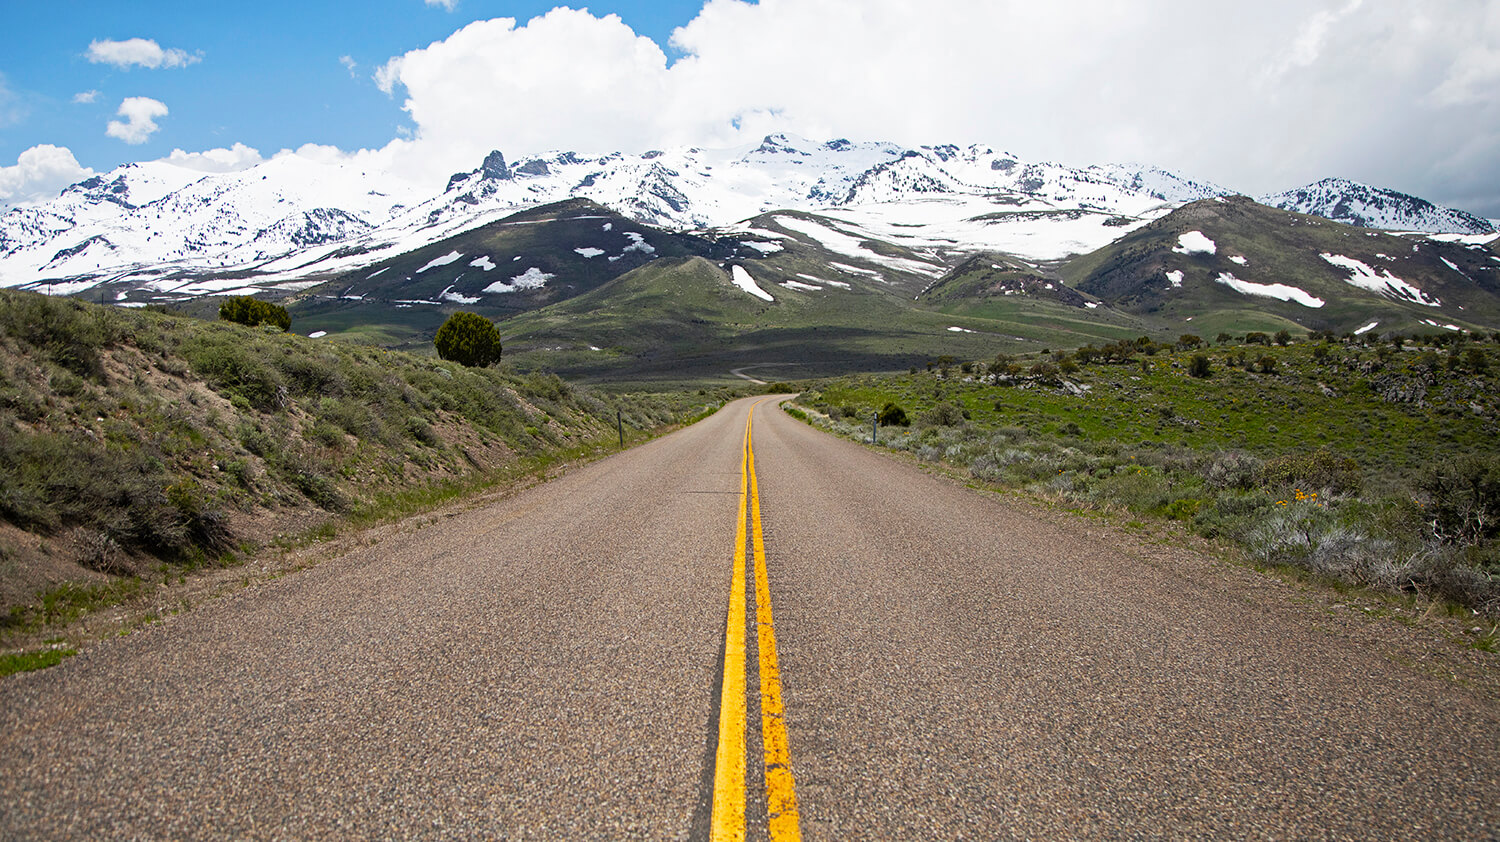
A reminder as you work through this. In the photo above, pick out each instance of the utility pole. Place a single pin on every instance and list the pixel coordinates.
(875, 428)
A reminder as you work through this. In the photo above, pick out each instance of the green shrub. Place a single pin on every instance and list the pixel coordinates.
(245, 310)
(893, 416)
(945, 414)
(1184, 509)
(468, 339)
(1463, 499)
(1319, 469)
(232, 367)
(1200, 366)
(65, 331)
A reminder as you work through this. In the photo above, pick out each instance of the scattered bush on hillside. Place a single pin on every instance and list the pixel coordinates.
(1200, 366)
(893, 416)
(944, 414)
(468, 339)
(1320, 469)
(246, 310)
(1317, 509)
(67, 332)
(1463, 500)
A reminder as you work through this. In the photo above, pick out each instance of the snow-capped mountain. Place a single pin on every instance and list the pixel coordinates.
(1374, 207)
(294, 220)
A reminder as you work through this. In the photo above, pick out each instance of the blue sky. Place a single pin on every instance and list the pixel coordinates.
(1254, 97)
(269, 75)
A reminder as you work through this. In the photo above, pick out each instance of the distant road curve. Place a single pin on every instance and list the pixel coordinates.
(550, 665)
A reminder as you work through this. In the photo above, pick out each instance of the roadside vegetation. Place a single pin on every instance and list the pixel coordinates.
(135, 446)
(1371, 462)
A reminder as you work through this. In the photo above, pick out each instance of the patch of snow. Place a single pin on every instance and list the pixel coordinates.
(638, 243)
(589, 251)
(1176, 276)
(449, 295)
(1451, 265)
(822, 281)
(1281, 292)
(595, 348)
(608, 226)
(956, 329)
(847, 244)
(532, 278)
(1240, 259)
(855, 270)
(1385, 283)
(483, 262)
(765, 248)
(743, 280)
(440, 261)
(801, 286)
(1194, 242)
(770, 235)
(1367, 328)
(1091, 304)
(377, 272)
(1444, 327)
(317, 334)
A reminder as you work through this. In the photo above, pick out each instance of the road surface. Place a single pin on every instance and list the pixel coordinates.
(551, 665)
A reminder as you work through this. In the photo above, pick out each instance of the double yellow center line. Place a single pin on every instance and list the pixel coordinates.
(729, 763)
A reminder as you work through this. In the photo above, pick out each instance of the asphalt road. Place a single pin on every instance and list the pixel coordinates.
(548, 666)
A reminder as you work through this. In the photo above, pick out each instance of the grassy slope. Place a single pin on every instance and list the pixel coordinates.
(1153, 439)
(130, 439)
(1281, 247)
(367, 305)
(685, 318)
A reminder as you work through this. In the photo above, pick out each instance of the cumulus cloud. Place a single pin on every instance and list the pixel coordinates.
(39, 174)
(85, 97)
(140, 113)
(1258, 97)
(138, 51)
(236, 158)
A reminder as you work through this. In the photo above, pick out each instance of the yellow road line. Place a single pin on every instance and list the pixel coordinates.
(728, 822)
(781, 791)
(728, 819)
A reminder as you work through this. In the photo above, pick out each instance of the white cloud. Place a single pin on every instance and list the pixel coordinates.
(1311, 36)
(236, 158)
(446, 4)
(349, 64)
(39, 173)
(1258, 97)
(138, 51)
(85, 97)
(140, 113)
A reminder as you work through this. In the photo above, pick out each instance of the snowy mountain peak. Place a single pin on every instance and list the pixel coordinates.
(295, 217)
(1374, 207)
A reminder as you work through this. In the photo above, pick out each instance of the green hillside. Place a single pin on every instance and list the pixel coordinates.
(1266, 247)
(133, 442)
(1355, 460)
